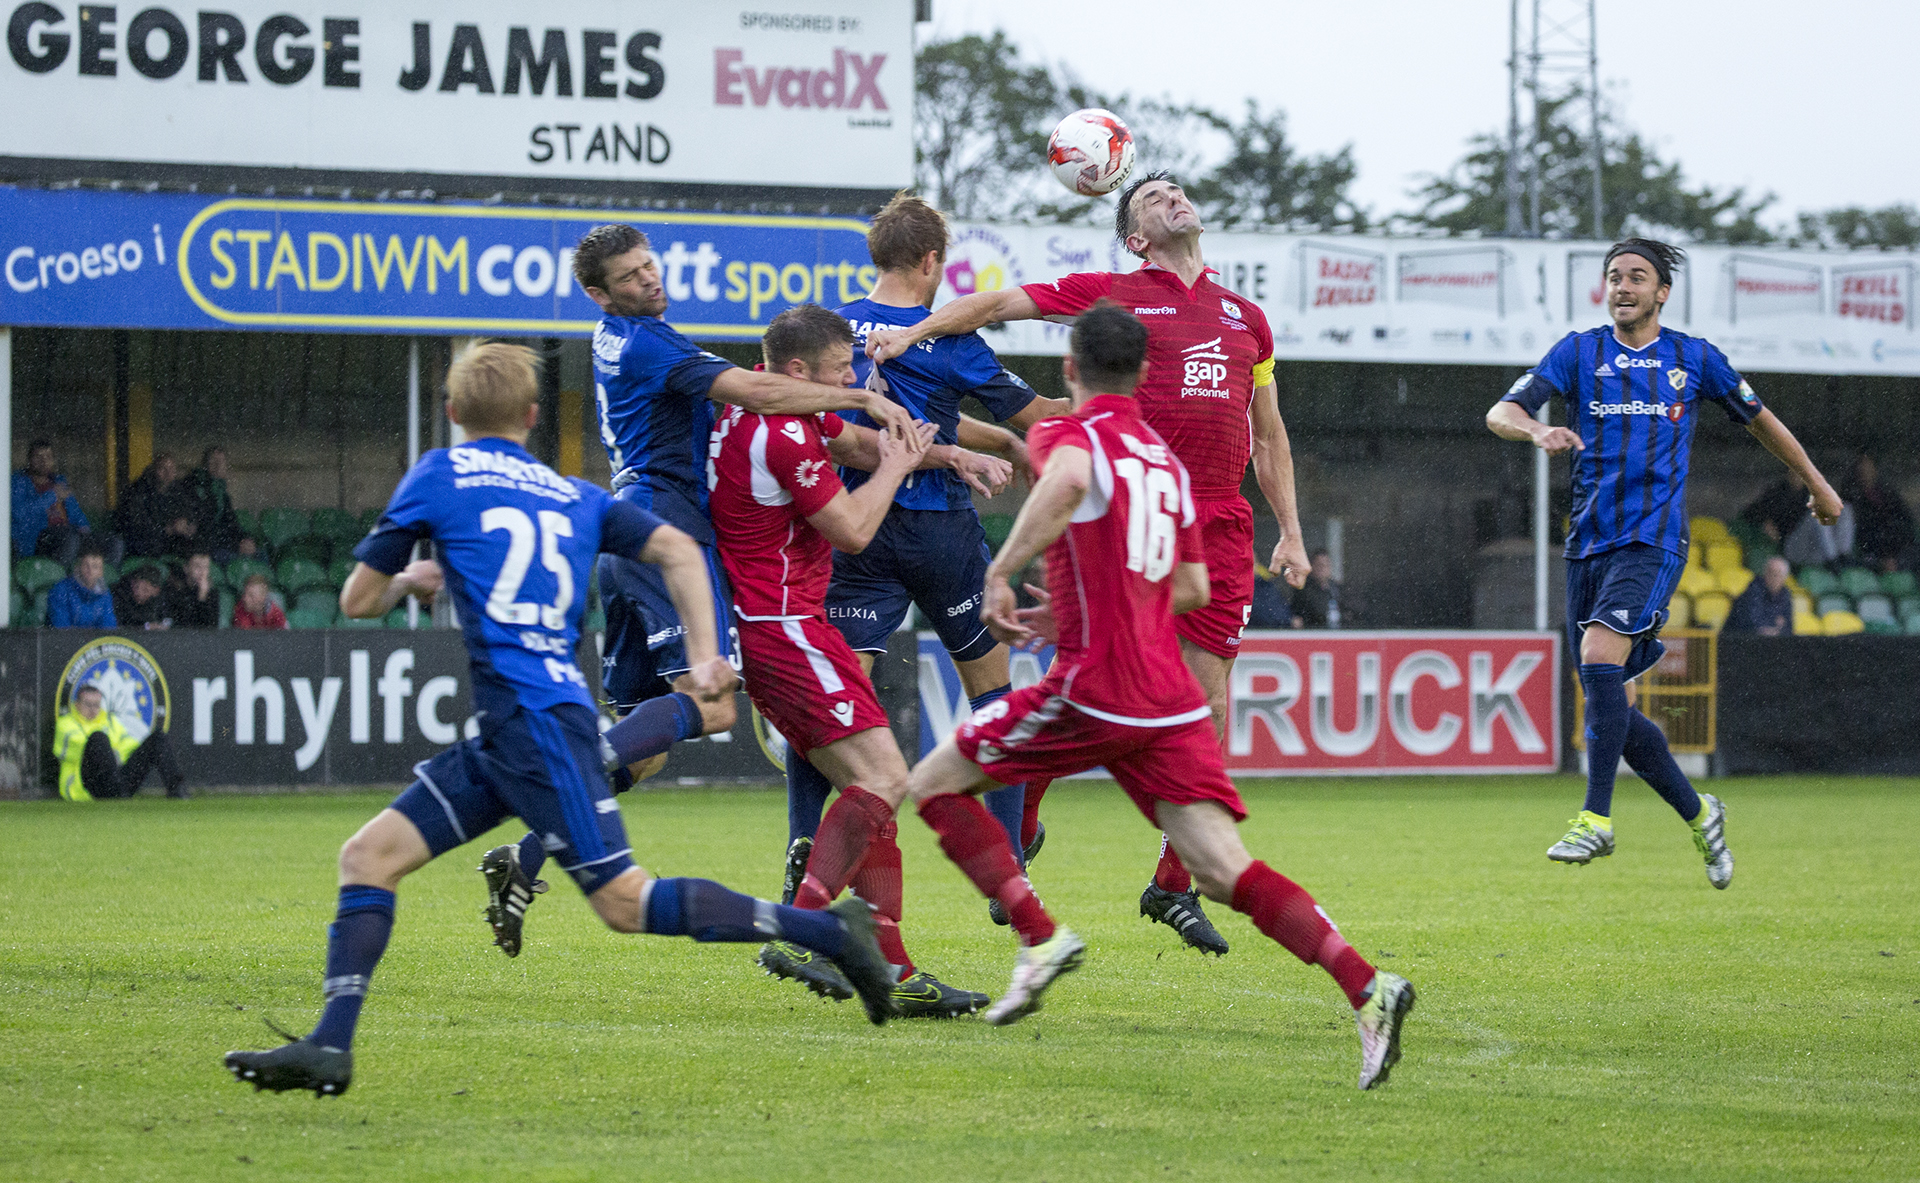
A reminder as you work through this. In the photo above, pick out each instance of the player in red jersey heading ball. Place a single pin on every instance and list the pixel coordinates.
(1209, 392)
(1113, 512)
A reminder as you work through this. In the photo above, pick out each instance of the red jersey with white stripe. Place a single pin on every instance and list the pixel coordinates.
(1111, 573)
(1207, 348)
(766, 474)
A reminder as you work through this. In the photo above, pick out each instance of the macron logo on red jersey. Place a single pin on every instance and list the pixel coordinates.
(1165, 310)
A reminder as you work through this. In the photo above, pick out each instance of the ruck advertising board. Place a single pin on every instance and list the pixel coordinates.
(594, 92)
(1352, 703)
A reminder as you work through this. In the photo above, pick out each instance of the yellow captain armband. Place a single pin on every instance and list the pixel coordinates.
(1263, 372)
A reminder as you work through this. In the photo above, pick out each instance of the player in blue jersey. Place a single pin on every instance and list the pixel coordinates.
(931, 550)
(1633, 391)
(516, 541)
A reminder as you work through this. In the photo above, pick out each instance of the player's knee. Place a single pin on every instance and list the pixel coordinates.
(361, 859)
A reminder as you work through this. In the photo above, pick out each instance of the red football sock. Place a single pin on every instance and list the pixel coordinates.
(840, 845)
(978, 846)
(1171, 874)
(878, 882)
(1284, 911)
(1030, 819)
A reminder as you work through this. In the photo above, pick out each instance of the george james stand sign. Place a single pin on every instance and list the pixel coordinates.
(589, 92)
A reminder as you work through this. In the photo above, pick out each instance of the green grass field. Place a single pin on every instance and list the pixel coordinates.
(1617, 1021)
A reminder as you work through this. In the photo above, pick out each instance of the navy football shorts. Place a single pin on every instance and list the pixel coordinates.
(645, 645)
(540, 766)
(1626, 589)
(935, 558)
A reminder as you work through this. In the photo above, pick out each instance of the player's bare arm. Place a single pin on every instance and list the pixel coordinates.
(369, 593)
(1191, 587)
(777, 394)
(965, 315)
(1273, 471)
(683, 567)
(850, 520)
(1774, 436)
(856, 447)
(1045, 516)
(1510, 421)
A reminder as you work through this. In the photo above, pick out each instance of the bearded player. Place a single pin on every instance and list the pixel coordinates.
(779, 513)
(1209, 392)
(1634, 391)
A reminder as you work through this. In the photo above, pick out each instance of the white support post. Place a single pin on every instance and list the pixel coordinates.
(6, 449)
(1540, 558)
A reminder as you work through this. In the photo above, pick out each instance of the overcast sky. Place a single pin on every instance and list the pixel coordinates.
(1818, 104)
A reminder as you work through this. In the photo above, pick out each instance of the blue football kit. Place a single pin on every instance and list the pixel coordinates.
(516, 542)
(650, 386)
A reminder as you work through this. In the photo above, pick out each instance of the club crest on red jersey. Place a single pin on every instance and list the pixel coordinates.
(807, 473)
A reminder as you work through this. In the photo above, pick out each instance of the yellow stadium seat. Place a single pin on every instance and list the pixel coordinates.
(1805, 623)
(1696, 553)
(1709, 530)
(1679, 610)
(1802, 602)
(1840, 624)
(1695, 580)
(1710, 609)
(1735, 580)
(1724, 556)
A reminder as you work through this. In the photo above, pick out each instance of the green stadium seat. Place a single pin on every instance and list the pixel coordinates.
(317, 599)
(1909, 607)
(339, 569)
(240, 569)
(1913, 625)
(16, 607)
(1898, 584)
(159, 568)
(1875, 607)
(997, 526)
(594, 621)
(369, 517)
(1753, 540)
(1832, 602)
(35, 575)
(279, 525)
(227, 601)
(352, 622)
(1818, 581)
(397, 618)
(331, 522)
(1858, 581)
(311, 547)
(1883, 628)
(249, 522)
(34, 615)
(298, 575)
(310, 618)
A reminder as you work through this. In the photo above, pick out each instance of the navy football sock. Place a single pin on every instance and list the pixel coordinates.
(1607, 710)
(1007, 805)
(708, 911)
(1647, 754)
(653, 727)
(807, 793)
(533, 856)
(355, 940)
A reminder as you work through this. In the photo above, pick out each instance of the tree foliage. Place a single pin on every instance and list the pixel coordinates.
(1893, 227)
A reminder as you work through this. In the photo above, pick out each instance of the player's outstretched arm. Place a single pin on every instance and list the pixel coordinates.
(1510, 421)
(683, 568)
(767, 393)
(858, 447)
(1774, 436)
(964, 315)
(1273, 471)
(1045, 516)
(369, 593)
(850, 520)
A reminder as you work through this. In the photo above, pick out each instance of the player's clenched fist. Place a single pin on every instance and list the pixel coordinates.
(423, 579)
(1555, 441)
(985, 475)
(887, 344)
(712, 680)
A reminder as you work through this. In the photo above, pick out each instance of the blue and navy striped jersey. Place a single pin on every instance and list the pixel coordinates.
(929, 380)
(651, 386)
(517, 543)
(1634, 410)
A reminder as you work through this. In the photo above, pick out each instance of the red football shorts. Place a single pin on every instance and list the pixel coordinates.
(1226, 533)
(1033, 734)
(807, 682)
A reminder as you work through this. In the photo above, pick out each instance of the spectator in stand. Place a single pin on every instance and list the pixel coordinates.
(1766, 607)
(1885, 525)
(82, 600)
(156, 514)
(90, 742)
(46, 519)
(192, 600)
(137, 602)
(256, 608)
(1271, 607)
(217, 527)
(1781, 514)
(1317, 603)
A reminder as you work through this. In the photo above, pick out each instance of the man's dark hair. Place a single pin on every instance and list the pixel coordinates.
(599, 244)
(1318, 551)
(1108, 344)
(207, 455)
(803, 331)
(88, 688)
(1123, 213)
(904, 230)
(1664, 258)
(36, 445)
(90, 551)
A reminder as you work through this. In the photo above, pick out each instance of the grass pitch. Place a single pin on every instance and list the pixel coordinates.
(1618, 1021)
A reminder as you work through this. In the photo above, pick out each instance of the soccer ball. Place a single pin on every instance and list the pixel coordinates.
(1091, 152)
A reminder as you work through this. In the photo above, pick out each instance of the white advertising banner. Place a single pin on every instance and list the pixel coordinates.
(1487, 301)
(595, 90)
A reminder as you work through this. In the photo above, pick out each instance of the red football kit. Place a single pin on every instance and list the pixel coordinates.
(1207, 348)
(1118, 693)
(766, 474)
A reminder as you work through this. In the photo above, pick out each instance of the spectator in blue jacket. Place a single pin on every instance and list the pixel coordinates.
(82, 600)
(46, 518)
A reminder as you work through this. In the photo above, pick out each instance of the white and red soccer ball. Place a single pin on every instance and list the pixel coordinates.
(1091, 152)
